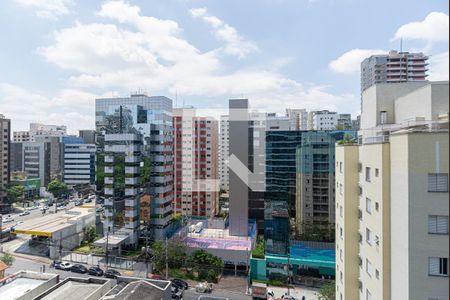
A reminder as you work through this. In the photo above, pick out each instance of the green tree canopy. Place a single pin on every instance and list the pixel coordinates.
(15, 192)
(57, 188)
(327, 292)
(7, 259)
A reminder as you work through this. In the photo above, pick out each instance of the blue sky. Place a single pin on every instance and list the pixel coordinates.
(57, 56)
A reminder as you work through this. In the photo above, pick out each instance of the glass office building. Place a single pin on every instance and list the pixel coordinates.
(138, 131)
(279, 204)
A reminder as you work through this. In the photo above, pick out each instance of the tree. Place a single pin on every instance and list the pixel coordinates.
(176, 253)
(327, 292)
(145, 171)
(90, 234)
(159, 257)
(57, 188)
(207, 266)
(15, 192)
(7, 259)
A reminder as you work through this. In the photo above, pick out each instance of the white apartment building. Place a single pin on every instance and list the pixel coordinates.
(324, 120)
(224, 148)
(38, 129)
(21, 136)
(298, 117)
(392, 196)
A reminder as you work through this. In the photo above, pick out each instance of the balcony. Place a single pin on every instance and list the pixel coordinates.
(132, 170)
(109, 159)
(131, 202)
(132, 225)
(109, 180)
(131, 213)
(109, 192)
(360, 214)
(132, 159)
(131, 192)
(108, 213)
(109, 170)
(108, 202)
(131, 180)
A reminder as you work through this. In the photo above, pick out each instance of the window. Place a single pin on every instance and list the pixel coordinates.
(383, 117)
(340, 189)
(340, 167)
(369, 267)
(359, 167)
(438, 182)
(367, 174)
(340, 210)
(368, 236)
(368, 206)
(438, 266)
(377, 274)
(438, 224)
(377, 172)
(368, 295)
(377, 206)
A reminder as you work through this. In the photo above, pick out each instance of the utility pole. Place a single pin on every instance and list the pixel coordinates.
(146, 254)
(106, 252)
(289, 273)
(167, 262)
(60, 245)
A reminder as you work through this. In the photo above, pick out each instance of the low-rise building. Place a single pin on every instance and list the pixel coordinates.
(75, 288)
(26, 285)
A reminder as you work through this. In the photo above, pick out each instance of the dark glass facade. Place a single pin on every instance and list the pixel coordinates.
(279, 204)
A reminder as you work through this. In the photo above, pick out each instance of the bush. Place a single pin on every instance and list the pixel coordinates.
(327, 292)
(7, 259)
(258, 252)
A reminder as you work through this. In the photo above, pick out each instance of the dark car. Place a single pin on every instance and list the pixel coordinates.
(180, 284)
(78, 269)
(111, 273)
(96, 271)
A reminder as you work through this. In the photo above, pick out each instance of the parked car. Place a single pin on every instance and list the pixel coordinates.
(24, 213)
(96, 271)
(154, 276)
(66, 266)
(180, 284)
(111, 273)
(176, 292)
(8, 219)
(55, 264)
(79, 269)
(204, 287)
(288, 297)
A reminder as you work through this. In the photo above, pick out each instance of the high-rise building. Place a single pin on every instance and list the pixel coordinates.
(344, 122)
(280, 123)
(315, 180)
(21, 136)
(298, 117)
(392, 196)
(87, 135)
(139, 130)
(239, 149)
(15, 157)
(5, 136)
(78, 161)
(36, 161)
(392, 68)
(55, 148)
(196, 180)
(224, 147)
(280, 177)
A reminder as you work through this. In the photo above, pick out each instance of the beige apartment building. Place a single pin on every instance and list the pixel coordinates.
(392, 196)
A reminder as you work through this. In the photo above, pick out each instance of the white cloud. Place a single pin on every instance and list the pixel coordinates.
(235, 44)
(439, 64)
(49, 9)
(134, 52)
(434, 28)
(70, 107)
(350, 61)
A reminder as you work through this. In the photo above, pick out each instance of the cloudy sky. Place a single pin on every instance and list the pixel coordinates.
(57, 56)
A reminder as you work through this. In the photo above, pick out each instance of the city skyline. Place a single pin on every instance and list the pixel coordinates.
(207, 53)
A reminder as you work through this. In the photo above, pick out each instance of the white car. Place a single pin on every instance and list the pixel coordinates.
(66, 266)
(204, 287)
(8, 220)
(24, 213)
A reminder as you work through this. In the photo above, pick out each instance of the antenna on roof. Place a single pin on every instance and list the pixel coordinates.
(401, 45)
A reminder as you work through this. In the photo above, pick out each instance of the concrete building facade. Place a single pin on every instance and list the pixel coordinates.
(36, 161)
(401, 217)
(196, 181)
(324, 120)
(21, 136)
(224, 147)
(78, 163)
(5, 136)
(393, 67)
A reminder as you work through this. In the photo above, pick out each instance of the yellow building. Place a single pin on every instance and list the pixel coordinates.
(392, 197)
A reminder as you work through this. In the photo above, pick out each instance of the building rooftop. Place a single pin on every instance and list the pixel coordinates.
(217, 239)
(131, 288)
(51, 223)
(77, 289)
(23, 282)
